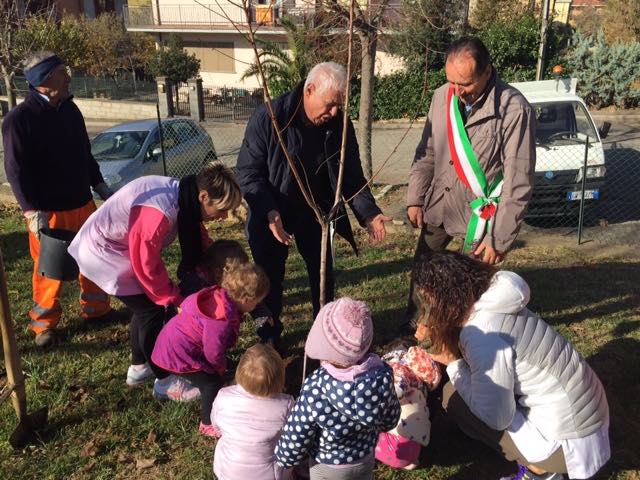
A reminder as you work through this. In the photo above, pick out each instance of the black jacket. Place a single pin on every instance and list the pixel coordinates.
(265, 176)
(47, 155)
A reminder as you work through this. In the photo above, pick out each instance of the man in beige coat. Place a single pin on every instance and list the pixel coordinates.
(500, 125)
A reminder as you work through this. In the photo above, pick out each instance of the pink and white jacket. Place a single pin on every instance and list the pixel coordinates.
(248, 427)
(118, 248)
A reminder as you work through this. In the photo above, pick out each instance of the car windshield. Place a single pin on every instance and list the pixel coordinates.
(563, 123)
(117, 145)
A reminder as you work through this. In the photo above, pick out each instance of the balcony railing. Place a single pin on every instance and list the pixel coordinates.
(207, 16)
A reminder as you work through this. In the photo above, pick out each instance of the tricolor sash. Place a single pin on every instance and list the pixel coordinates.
(470, 173)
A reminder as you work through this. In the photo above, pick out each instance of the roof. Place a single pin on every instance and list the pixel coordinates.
(563, 89)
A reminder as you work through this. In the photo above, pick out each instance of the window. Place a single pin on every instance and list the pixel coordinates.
(117, 145)
(561, 122)
(184, 131)
(213, 56)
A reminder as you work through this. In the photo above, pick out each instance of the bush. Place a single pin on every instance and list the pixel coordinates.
(399, 95)
(607, 74)
(513, 44)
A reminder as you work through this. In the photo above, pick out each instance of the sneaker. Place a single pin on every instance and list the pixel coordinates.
(138, 374)
(160, 387)
(208, 430)
(46, 339)
(525, 474)
(183, 391)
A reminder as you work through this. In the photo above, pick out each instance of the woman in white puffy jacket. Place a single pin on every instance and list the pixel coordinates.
(515, 383)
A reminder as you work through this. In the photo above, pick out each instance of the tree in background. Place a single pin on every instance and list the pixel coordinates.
(65, 37)
(589, 21)
(424, 30)
(621, 21)
(368, 21)
(141, 53)
(285, 69)
(607, 73)
(487, 12)
(13, 16)
(173, 62)
(112, 50)
(100, 47)
(513, 44)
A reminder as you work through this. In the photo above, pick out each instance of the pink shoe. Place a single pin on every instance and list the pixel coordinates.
(208, 430)
(182, 391)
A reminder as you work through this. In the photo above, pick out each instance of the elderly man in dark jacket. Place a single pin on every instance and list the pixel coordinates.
(48, 161)
(278, 213)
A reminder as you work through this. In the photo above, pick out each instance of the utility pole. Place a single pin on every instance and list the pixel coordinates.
(543, 39)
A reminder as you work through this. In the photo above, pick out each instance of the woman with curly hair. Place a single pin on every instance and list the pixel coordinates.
(515, 383)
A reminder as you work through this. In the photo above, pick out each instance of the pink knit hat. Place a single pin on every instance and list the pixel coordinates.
(342, 332)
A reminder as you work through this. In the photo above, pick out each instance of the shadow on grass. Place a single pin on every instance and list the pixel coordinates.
(352, 276)
(617, 364)
(583, 291)
(15, 246)
(90, 339)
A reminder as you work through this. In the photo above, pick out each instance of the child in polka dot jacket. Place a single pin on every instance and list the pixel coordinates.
(345, 403)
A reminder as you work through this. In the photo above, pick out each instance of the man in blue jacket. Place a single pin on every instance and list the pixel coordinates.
(278, 213)
(48, 161)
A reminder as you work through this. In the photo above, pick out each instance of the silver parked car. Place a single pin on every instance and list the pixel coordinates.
(130, 150)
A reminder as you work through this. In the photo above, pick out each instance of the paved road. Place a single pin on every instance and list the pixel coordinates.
(393, 143)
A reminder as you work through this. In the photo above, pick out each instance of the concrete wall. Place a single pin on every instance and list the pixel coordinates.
(109, 109)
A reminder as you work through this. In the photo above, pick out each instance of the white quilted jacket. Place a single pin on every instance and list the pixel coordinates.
(513, 360)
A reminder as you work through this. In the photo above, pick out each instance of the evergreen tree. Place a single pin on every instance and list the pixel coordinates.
(606, 72)
(175, 63)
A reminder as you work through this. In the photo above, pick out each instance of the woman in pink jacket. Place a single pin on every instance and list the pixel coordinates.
(119, 249)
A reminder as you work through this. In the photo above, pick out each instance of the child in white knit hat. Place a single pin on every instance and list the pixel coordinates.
(345, 403)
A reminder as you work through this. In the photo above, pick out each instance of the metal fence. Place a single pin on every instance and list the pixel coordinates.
(125, 87)
(601, 205)
(181, 103)
(606, 196)
(181, 147)
(231, 104)
(615, 215)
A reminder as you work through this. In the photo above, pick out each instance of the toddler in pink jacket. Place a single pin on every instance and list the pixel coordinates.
(249, 416)
(194, 342)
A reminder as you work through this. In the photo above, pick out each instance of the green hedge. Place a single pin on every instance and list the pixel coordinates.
(399, 95)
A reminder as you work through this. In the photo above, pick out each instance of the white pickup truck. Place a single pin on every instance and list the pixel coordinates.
(563, 125)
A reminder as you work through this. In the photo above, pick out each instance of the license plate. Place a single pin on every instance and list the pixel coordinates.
(588, 195)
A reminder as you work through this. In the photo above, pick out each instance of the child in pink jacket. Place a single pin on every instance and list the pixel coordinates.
(249, 416)
(194, 342)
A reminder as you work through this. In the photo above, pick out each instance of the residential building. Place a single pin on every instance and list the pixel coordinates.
(215, 31)
(559, 10)
(89, 8)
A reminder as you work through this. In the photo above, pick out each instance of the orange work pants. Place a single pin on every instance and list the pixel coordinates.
(46, 312)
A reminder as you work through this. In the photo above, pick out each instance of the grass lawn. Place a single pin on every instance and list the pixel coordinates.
(100, 429)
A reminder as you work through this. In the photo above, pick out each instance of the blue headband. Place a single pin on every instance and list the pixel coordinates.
(39, 73)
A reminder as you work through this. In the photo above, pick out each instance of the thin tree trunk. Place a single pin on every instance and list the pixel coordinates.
(10, 86)
(324, 243)
(369, 43)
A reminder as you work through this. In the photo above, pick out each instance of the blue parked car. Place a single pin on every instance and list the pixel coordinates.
(130, 150)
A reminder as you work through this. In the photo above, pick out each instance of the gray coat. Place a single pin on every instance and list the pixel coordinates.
(502, 134)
